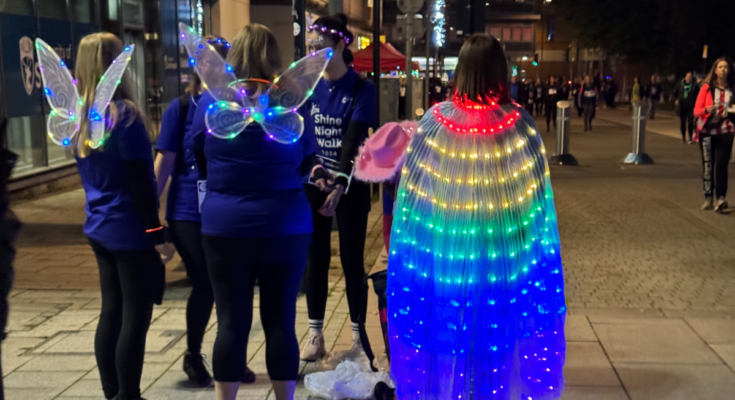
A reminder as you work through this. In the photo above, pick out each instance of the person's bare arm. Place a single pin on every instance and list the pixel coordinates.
(163, 167)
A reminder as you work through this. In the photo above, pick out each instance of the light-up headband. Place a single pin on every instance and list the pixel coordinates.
(330, 31)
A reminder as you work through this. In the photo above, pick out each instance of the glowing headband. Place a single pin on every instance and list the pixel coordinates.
(330, 31)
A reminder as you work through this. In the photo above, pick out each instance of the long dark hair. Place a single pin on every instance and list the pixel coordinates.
(335, 28)
(482, 71)
(711, 78)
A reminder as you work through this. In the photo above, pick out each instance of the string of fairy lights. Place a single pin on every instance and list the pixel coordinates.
(438, 22)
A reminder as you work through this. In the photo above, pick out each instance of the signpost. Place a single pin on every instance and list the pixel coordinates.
(412, 28)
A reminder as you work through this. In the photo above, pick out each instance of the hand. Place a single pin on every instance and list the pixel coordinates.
(710, 109)
(323, 185)
(330, 205)
(676, 102)
(167, 251)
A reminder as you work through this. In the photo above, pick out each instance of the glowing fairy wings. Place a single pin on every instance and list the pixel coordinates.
(235, 109)
(62, 95)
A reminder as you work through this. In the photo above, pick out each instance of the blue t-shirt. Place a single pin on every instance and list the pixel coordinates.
(254, 184)
(112, 219)
(328, 112)
(182, 203)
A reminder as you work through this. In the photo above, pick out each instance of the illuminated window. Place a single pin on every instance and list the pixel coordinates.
(363, 42)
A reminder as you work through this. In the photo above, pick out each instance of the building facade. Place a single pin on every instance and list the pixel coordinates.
(159, 67)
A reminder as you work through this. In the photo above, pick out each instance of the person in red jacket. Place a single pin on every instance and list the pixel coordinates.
(715, 130)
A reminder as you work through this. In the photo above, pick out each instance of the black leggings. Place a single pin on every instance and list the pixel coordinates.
(539, 107)
(187, 237)
(550, 114)
(352, 219)
(687, 123)
(716, 150)
(130, 283)
(278, 264)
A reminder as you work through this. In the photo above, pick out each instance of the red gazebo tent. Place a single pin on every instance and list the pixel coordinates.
(390, 59)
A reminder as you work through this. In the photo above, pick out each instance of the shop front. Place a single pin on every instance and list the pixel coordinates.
(159, 68)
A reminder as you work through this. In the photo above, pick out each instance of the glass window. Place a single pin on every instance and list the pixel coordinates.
(133, 12)
(528, 34)
(57, 154)
(497, 32)
(82, 11)
(55, 9)
(517, 34)
(112, 10)
(506, 34)
(26, 138)
(23, 7)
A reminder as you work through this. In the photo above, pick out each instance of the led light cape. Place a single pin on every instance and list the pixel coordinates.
(475, 287)
(276, 110)
(61, 93)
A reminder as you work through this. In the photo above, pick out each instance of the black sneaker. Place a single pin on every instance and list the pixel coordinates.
(248, 376)
(383, 392)
(197, 371)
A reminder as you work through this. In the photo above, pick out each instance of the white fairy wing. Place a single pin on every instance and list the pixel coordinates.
(290, 90)
(103, 94)
(217, 76)
(226, 120)
(61, 92)
(284, 128)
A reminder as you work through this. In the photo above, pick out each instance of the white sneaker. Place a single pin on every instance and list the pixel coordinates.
(708, 203)
(356, 344)
(314, 348)
(721, 205)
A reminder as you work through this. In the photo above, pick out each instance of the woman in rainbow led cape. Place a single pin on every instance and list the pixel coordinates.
(475, 288)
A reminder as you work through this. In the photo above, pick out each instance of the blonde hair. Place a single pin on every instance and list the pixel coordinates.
(255, 55)
(96, 53)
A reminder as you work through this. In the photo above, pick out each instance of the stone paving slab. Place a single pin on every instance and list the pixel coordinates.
(676, 382)
(650, 283)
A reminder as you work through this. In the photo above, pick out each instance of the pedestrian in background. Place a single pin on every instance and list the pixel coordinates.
(653, 94)
(343, 103)
(715, 131)
(551, 95)
(531, 95)
(588, 100)
(176, 159)
(576, 87)
(612, 91)
(636, 92)
(122, 224)
(539, 98)
(9, 228)
(685, 93)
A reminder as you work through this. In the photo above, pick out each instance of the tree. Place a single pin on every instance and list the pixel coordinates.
(667, 34)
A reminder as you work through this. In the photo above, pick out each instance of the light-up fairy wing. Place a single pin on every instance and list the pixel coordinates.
(61, 92)
(217, 76)
(290, 91)
(103, 94)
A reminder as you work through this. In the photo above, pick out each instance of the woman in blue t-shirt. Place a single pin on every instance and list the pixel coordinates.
(122, 221)
(339, 115)
(256, 224)
(175, 159)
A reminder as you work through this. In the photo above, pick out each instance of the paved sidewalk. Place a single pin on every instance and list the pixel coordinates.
(650, 283)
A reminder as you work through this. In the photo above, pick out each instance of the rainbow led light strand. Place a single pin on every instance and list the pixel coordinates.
(476, 288)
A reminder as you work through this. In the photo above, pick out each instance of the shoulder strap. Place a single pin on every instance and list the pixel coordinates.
(359, 84)
(184, 101)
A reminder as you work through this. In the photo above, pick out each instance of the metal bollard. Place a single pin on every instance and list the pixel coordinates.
(638, 155)
(562, 156)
